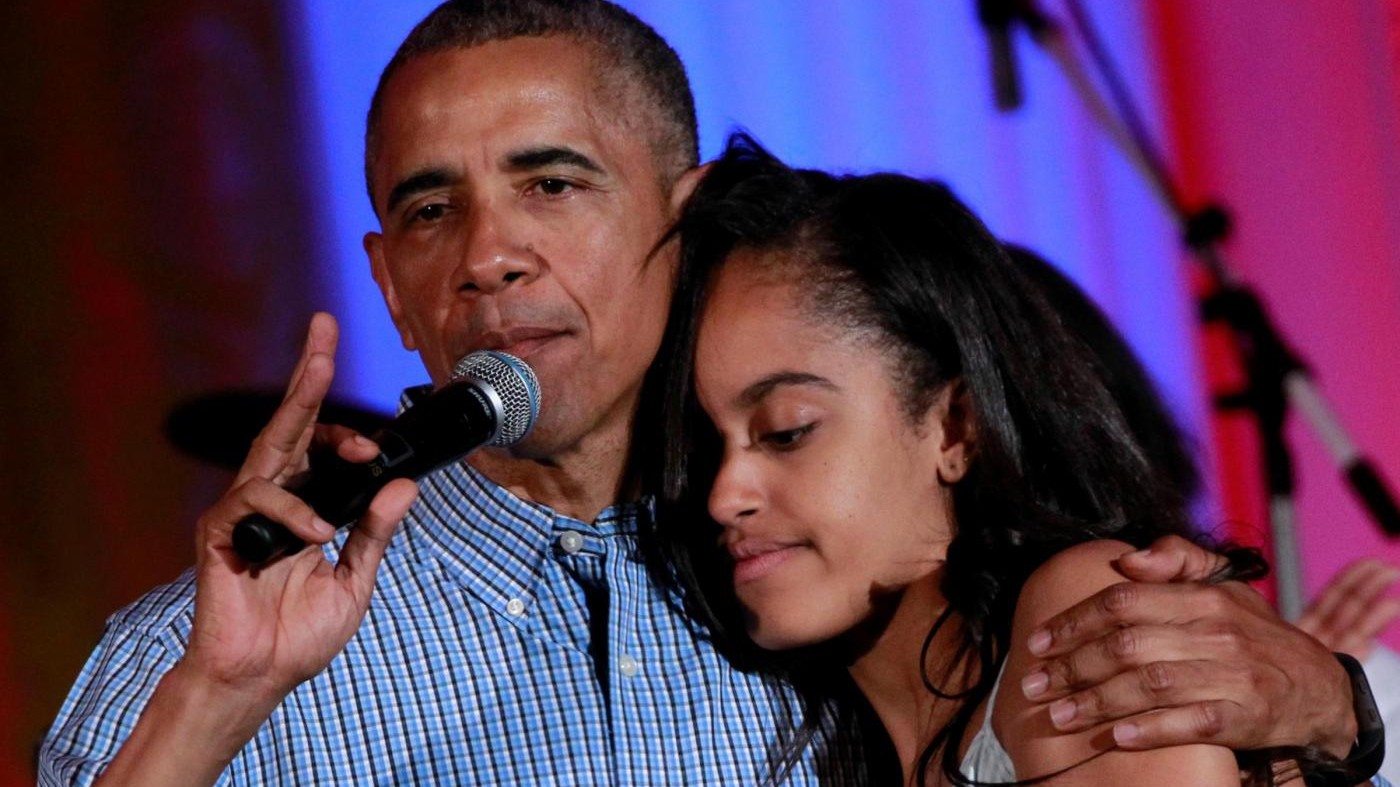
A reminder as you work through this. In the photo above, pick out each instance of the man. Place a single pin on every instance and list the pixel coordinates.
(523, 159)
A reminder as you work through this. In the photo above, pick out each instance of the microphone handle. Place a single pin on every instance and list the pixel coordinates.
(338, 491)
(443, 428)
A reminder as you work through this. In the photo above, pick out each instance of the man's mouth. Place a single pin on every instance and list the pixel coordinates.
(520, 342)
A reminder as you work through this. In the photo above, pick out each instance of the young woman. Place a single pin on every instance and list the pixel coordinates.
(887, 462)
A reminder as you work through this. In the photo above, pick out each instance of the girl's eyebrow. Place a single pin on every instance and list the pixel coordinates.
(757, 391)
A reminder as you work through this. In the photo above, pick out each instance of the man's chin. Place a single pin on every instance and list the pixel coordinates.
(547, 440)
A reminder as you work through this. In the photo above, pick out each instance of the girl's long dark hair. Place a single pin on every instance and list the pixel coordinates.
(1054, 462)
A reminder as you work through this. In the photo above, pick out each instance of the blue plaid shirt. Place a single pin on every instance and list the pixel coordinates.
(504, 644)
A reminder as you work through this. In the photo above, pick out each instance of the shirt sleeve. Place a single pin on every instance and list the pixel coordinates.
(103, 706)
(140, 644)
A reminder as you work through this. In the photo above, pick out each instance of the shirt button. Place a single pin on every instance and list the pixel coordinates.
(515, 606)
(571, 542)
(628, 666)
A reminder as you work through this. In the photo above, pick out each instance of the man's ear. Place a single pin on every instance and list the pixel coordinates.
(374, 247)
(685, 186)
(959, 429)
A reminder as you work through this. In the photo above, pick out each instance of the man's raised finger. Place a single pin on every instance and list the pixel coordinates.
(284, 438)
(322, 336)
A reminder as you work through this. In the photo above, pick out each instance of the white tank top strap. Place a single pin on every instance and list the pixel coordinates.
(986, 759)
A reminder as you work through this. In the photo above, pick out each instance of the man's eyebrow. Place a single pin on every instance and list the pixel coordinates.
(549, 156)
(422, 180)
(757, 391)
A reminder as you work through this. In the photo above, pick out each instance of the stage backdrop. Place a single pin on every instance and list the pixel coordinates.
(187, 187)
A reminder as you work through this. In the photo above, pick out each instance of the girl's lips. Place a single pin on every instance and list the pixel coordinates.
(759, 563)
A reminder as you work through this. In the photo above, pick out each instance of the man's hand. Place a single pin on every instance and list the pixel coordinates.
(258, 632)
(1352, 610)
(272, 627)
(1187, 662)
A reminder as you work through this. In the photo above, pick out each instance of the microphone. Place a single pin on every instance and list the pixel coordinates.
(494, 399)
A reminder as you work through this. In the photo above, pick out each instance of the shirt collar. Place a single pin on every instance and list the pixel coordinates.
(493, 542)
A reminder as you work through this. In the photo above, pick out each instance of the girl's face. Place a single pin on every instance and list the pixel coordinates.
(830, 499)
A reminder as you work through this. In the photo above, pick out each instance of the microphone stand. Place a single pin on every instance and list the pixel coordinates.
(998, 17)
(1277, 378)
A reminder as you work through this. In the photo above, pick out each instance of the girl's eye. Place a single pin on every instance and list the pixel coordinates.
(787, 439)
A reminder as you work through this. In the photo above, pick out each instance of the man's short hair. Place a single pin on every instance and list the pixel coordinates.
(626, 46)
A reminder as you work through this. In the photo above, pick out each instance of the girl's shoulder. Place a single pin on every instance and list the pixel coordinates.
(1025, 728)
(1070, 576)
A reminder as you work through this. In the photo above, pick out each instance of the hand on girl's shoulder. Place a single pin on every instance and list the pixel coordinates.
(1025, 728)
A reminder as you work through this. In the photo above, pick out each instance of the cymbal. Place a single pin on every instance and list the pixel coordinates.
(218, 427)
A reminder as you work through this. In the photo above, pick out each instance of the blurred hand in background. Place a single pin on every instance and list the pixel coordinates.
(1352, 610)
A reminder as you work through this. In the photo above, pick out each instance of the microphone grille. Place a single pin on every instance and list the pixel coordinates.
(513, 383)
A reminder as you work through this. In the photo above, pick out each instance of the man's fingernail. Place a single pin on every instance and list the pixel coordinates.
(1034, 684)
(362, 440)
(1124, 734)
(323, 527)
(1039, 642)
(1062, 712)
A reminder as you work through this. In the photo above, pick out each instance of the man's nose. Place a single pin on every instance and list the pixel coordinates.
(496, 254)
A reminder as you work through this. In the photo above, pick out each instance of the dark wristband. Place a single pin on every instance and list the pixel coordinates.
(1364, 760)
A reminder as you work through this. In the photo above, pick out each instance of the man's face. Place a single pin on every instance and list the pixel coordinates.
(518, 207)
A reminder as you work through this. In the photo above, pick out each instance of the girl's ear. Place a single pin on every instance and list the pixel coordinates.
(959, 429)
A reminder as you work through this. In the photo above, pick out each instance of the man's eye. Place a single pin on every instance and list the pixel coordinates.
(430, 212)
(553, 186)
(786, 439)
